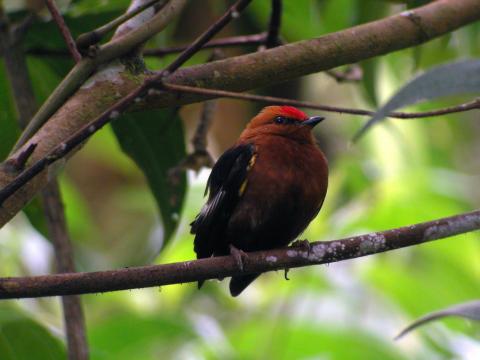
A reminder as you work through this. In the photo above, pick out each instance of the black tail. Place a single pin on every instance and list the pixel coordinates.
(239, 283)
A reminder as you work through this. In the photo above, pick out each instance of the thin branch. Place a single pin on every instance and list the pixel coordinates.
(95, 36)
(72, 307)
(273, 39)
(475, 104)
(322, 252)
(234, 41)
(200, 157)
(353, 73)
(232, 13)
(17, 164)
(120, 106)
(67, 36)
(244, 40)
(74, 323)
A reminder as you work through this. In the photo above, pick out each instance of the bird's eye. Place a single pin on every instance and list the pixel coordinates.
(280, 120)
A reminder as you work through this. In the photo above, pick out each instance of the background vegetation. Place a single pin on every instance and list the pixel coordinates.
(402, 172)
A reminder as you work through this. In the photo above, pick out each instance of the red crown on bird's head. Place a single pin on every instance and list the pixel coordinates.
(287, 111)
(293, 112)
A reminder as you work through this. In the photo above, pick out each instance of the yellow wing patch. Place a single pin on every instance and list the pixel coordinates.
(243, 187)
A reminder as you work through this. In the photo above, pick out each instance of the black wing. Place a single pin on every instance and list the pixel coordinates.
(225, 189)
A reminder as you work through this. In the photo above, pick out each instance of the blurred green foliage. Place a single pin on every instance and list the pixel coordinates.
(401, 172)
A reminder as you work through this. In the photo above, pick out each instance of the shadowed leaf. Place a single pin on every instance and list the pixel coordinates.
(154, 140)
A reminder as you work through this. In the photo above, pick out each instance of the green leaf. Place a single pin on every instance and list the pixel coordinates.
(155, 141)
(451, 79)
(129, 335)
(469, 310)
(301, 340)
(22, 338)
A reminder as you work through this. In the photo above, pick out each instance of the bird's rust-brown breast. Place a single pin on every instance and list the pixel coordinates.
(284, 190)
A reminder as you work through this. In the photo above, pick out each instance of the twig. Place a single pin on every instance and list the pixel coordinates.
(193, 48)
(72, 307)
(234, 41)
(19, 29)
(93, 37)
(67, 36)
(475, 104)
(120, 106)
(351, 74)
(17, 164)
(200, 157)
(272, 39)
(244, 40)
(322, 252)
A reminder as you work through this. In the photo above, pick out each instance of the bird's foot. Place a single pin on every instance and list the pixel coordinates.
(302, 245)
(286, 274)
(239, 255)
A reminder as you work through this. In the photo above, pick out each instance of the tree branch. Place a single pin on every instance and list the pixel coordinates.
(234, 41)
(322, 252)
(273, 34)
(243, 40)
(67, 36)
(246, 72)
(72, 308)
(471, 105)
(93, 37)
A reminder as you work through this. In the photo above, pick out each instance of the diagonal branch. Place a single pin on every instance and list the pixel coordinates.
(93, 37)
(322, 252)
(67, 36)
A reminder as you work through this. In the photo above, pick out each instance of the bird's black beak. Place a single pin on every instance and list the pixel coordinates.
(314, 120)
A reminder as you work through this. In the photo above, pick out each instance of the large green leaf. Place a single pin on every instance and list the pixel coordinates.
(155, 141)
(457, 78)
(22, 338)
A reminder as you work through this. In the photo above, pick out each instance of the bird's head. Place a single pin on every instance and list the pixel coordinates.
(283, 121)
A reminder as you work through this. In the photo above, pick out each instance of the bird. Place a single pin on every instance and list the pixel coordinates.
(264, 190)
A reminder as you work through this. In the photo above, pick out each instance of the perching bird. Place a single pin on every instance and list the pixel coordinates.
(263, 191)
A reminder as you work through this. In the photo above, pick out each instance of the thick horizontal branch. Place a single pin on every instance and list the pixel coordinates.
(223, 266)
(348, 46)
(244, 73)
